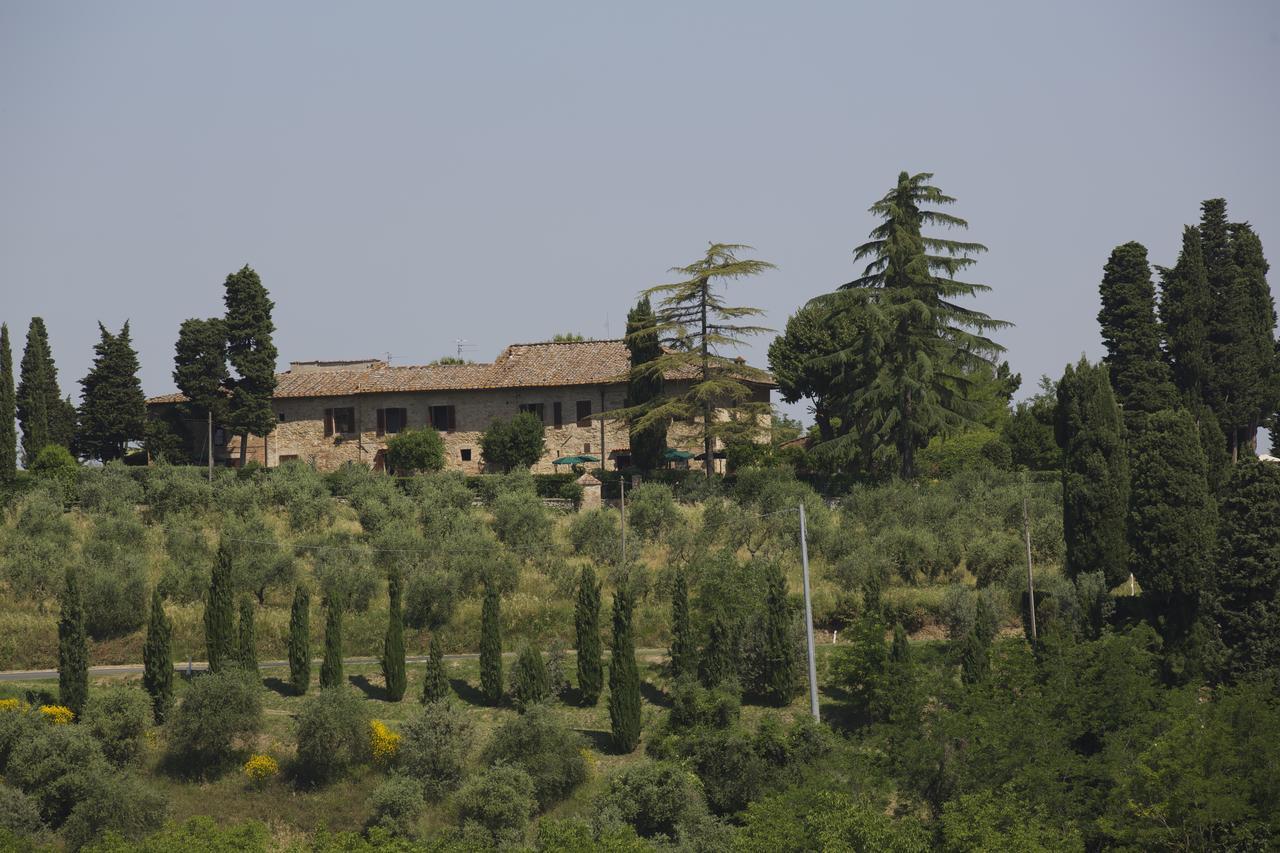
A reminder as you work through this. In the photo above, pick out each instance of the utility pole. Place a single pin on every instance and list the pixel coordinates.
(808, 619)
(1031, 581)
(208, 448)
(622, 508)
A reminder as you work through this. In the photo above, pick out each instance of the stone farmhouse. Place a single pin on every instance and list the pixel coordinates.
(333, 412)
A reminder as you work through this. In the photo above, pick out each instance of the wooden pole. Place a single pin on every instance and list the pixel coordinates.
(1031, 581)
(808, 619)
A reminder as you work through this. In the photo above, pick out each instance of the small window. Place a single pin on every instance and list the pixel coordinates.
(288, 457)
(443, 418)
(586, 448)
(465, 453)
(342, 421)
(535, 408)
(584, 413)
(280, 418)
(557, 414)
(392, 421)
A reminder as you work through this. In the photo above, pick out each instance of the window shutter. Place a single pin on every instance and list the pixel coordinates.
(328, 422)
(453, 419)
(557, 414)
(382, 421)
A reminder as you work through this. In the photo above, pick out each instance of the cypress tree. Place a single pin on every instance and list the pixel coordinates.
(780, 658)
(529, 682)
(157, 658)
(1262, 393)
(975, 662)
(1228, 391)
(1246, 602)
(985, 624)
(1185, 306)
(200, 372)
(252, 354)
(1172, 524)
(1095, 473)
(42, 411)
(684, 652)
(900, 700)
(435, 683)
(586, 623)
(300, 640)
(393, 645)
(331, 666)
(8, 410)
(644, 386)
(247, 645)
(73, 647)
(491, 645)
(900, 651)
(624, 677)
(1131, 334)
(1214, 444)
(718, 662)
(113, 409)
(219, 618)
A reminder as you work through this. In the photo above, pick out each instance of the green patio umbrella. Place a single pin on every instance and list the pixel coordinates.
(673, 455)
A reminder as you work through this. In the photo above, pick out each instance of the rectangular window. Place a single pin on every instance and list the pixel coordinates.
(586, 448)
(280, 417)
(536, 408)
(288, 457)
(443, 418)
(392, 421)
(341, 421)
(584, 413)
(465, 453)
(557, 414)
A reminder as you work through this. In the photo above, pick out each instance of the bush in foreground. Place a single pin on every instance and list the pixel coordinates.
(540, 745)
(333, 735)
(118, 719)
(434, 744)
(217, 709)
(494, 807)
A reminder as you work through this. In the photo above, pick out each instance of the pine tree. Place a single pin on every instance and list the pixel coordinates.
(717, 664)
(247, 644)
(985, 623)
(300, 641)
(624, 677)
(928, 347)
(1172, 523)
(684, 652)
(491, 645)
(8, 410)
(252, 354)
(42, 411)
(1139, 373)
(219, 618)
(435, 683)
(113, 409)
(780, 658)
(586, 623)
(644, 387)
(529, 682)
(157, 658)
(331, 665)
(1246, 599)
(200, 372)
(694, 327)
(73, 647)
(1185, 306)
(393, 673)
(1095, 473)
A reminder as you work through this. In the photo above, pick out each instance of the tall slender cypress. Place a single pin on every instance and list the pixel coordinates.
(251, 352)
(643, 386)
(1131, 334)
(219, 616)
(331, 666)
(157, 659)
(37, 393)
(718, 662)
(586, 624)
(975, 661)
(1095, 473)
(624, 676)
(1230, 378)
(684, 651)
(393, 673)
(491, 645)
(1246, 586)
(300, 640)
(900, 651)
(435, 683)
(1262, 390)
(8, 410)
(73, 646)
(1185, 306)
(780, 657)
(985, 623)
(247, 644)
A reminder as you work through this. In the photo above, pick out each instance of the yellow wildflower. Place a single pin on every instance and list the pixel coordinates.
(260, 768)
(12, 705)
(386, 743)
(59, 715)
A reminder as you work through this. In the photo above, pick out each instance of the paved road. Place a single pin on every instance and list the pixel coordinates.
(118, 670)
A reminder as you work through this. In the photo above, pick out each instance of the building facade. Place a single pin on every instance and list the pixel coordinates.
(332, 413)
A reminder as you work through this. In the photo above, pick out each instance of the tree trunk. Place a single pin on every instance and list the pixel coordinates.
(208, 447)
(244, 447)
(823, 420)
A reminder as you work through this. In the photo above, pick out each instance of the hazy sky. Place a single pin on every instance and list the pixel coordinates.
(406, 175)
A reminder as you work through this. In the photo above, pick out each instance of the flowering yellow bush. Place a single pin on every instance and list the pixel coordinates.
(386, 743)
(12, 705)
(59, 715)
(260, 768)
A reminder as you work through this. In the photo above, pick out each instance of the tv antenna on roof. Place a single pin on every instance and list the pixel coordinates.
(463, 344)
(386, 356)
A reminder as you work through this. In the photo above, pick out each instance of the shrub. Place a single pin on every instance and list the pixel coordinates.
(521, 522)
(732, 772)
(654, 797)
(434, 744)
(651, 511)
(260, 769)
(595, 534)
(299, 489)
(992, 555)
(543, 747)
(693, 705)
(396, 805)
(496, 805)
(384, 743)
(17, 724)
(38, 547)
(415, 451)
(529, 683)
(176, 489)
(58, 715)
(57, 765)
(217, 709)
(18, 812)
(517, 443)
(333, 735)
(109, 489)
(55, 465)
(190, 558)
(118, 718)
(113, 577)
(122, 803)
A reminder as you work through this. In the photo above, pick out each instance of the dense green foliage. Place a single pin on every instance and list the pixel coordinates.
(491, 645)
(247, 637)
(684, 651)
(251, 354)
(331, 663)
(333, 735)
(300, 640)
(73, 646)
(157, 657)
(644, 387)
(219, 626)
(1131, 333)
(434, 746)
(44, 415)
(217, 709)
(435, 683)
(529, 682)
(586, 623)
(1246, 573)
(624, 677)
(540, 745)
(393, 673)
(8, 410)
(513, 445)
(113, 408)
(415, 451)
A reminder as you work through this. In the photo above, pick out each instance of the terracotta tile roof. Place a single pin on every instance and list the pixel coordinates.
(536, 365)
